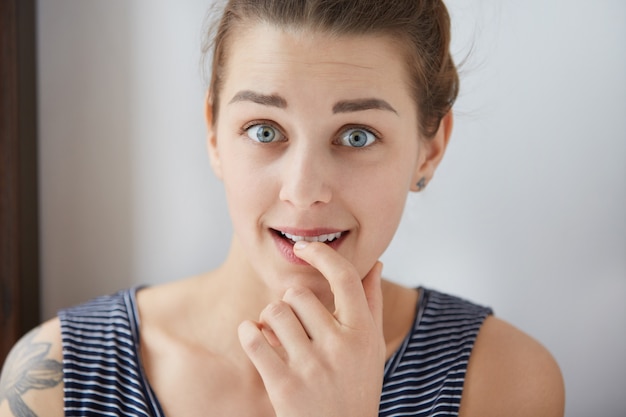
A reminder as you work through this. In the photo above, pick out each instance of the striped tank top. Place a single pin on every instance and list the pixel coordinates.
(103, 375)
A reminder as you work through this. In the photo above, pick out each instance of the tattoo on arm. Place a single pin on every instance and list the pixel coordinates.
(27, 368)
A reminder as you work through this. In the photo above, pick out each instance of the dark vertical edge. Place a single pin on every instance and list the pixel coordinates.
(29, 173)
(19, 214)
(8, 174)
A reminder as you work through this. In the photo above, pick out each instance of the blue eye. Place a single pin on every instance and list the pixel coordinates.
(357, 138)
(263, 133)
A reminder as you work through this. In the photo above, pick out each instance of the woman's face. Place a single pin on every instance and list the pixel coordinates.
(316, 138)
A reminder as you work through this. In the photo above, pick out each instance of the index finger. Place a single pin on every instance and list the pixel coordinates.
(351, 303)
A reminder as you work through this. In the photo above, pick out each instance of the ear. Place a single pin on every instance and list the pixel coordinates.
(212, 147)
(431, 152)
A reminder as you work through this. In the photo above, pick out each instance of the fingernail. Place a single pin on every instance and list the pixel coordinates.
(301, 245)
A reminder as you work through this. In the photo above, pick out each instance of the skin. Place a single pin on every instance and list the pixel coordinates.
(31, 380)
(305, 334)
(309, 181)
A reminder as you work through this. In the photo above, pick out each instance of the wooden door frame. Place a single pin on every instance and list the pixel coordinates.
(19, 208)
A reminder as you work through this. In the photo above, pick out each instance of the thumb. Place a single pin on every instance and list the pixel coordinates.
(373, 293)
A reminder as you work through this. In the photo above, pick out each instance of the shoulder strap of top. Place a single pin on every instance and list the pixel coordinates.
(102, 372)
(425, 376)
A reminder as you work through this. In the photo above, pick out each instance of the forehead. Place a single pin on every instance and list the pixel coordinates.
(264, 56)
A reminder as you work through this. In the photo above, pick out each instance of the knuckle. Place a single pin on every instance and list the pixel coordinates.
(295, 293)
(250, 340)
(275, 310)
(252, 344)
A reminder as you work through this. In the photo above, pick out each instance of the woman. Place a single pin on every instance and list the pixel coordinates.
(322, 116)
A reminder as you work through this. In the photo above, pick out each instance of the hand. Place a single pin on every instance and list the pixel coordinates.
(314, 362)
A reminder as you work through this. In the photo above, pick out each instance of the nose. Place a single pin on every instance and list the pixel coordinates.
(306, 174)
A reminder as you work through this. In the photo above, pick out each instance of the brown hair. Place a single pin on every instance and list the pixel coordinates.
(421, 27)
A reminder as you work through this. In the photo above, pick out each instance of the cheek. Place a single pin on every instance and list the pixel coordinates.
(384, 189)
(380, 211)
(247, 188)
(386, 212)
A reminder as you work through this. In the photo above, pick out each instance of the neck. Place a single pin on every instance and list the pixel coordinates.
(242, 292)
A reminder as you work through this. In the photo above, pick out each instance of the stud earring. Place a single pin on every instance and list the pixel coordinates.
(421, 184)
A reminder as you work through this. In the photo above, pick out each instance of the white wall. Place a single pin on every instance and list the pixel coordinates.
(527, 213)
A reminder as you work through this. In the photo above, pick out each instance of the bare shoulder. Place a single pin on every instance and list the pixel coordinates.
(511, 374)
(31, 383)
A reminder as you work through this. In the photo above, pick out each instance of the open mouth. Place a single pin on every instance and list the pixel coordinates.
(324, 238)
(285, 241)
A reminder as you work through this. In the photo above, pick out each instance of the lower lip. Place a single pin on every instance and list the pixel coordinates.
(285, 247)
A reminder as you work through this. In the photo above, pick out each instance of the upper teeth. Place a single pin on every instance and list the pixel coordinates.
(321, 238)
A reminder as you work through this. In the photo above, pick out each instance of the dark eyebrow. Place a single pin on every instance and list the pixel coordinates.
(273, 100)
(347, 106)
